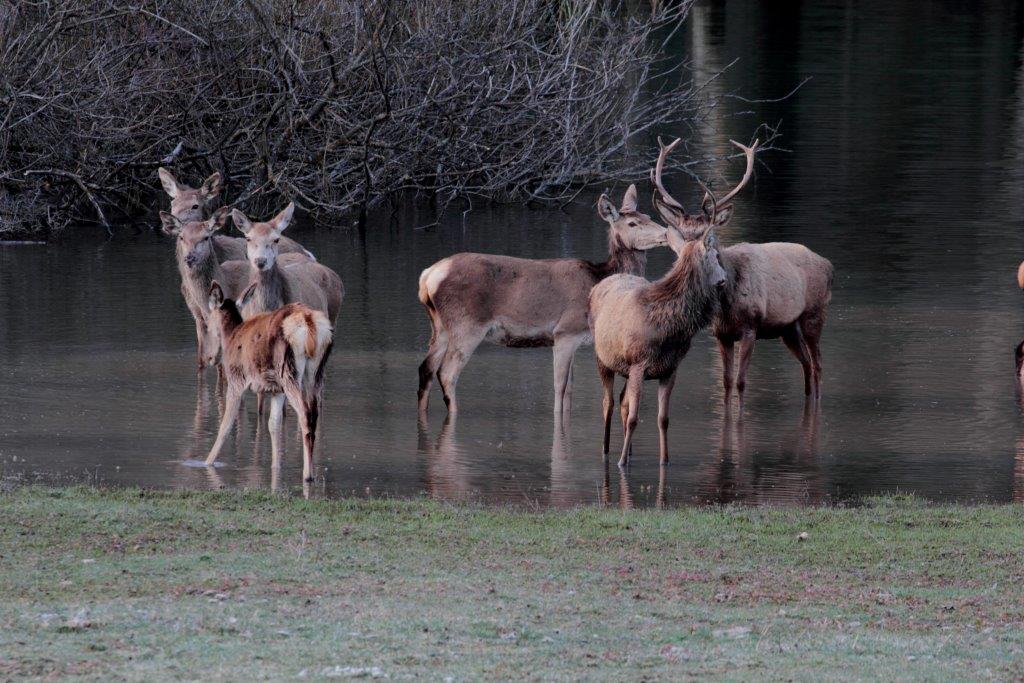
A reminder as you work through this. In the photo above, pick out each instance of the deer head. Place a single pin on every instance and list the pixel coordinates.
(629, 227)
(694, 226)
(187, 203)
(704, 250)
(261, 239)
(195, 238)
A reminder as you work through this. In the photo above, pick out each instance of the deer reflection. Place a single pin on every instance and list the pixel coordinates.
(446, 475)
(741, 474)
(626, 498)
(209, 408)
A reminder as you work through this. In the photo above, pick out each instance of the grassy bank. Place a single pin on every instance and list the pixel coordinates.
(142, 585)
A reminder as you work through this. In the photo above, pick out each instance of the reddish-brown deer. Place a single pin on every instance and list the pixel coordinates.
(196, 204)
(777, 289)
(282, 353)
(281, 279)
(642, 330)
(200, 262)
(524, 302)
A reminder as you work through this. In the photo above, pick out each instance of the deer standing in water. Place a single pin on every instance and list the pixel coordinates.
(196, 204)
(283, 353)
(281, 279)
(200, 262)
(642, 330)
(776, 289)
(524, 302)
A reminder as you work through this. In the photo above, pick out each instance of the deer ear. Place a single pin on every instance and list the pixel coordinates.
(218, 219)
(216, 296)
(629, 202)
(669, 214)
(169, 182)
(723, 216)
(244, 298)
(241, 221)
(676, 241)
(170, 224)
(708, 239)
(281, 220)
(211, 186)
(606, 209)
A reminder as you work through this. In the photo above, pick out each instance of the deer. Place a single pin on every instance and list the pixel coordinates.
(196, 204)
(281, 279)
(520, 302)
(282, 353)
(642, 330)
(200, 262)
(775, 289)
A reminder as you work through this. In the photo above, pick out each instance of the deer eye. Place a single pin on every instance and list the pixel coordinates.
(277, 240)
(195, 206)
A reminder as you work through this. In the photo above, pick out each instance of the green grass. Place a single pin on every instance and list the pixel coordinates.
(140, 585)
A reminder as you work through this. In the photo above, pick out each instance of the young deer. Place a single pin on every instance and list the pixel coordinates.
(200, 262)
(523, 302)
(778, 289)
(190, 204)
(283, 353)
(281, 279)
(643, 329)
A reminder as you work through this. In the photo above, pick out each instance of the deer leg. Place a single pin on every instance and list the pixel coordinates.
(227, 420)
(564, 350)
(746, 351)
(624, 411)
(607, 404)
(260, 398)
(795, 342)
(276, 427)
(200, 339)
(431, 364)
(460, 347)
(634, 386)
(727, 350)
(664, 394)
(308, 413)
(811, 327)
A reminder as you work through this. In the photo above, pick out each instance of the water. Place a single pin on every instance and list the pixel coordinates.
(907, 171)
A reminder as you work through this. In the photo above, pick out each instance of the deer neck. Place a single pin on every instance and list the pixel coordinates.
(197, 280)
(270, 291)
(682, 302)
(229, 319)
(622, 259)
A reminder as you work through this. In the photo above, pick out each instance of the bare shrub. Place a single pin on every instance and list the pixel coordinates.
(337, 105)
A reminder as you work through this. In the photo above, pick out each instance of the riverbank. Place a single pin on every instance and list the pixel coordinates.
(144, 585)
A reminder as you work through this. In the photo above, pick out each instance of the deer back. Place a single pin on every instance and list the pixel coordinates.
(771, 285)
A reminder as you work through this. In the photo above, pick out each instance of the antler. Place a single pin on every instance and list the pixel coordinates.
(724, 201)
(656, 174)
(714, 202)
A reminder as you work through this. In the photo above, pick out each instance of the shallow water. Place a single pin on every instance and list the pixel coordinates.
(907, 171)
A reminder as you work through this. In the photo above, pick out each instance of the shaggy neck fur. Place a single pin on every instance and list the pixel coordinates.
(229, 319)
(622, 259)
(683, 301)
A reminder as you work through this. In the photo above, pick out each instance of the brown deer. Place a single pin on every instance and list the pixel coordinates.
(281, 279)
(200, 262)
(777, 289)
(642, 330)
(524, 302)
(191, 204)
(283, 353)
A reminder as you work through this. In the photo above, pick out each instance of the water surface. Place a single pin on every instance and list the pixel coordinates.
(907, 171)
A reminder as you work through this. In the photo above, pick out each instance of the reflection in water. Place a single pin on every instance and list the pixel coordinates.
(906, 171)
